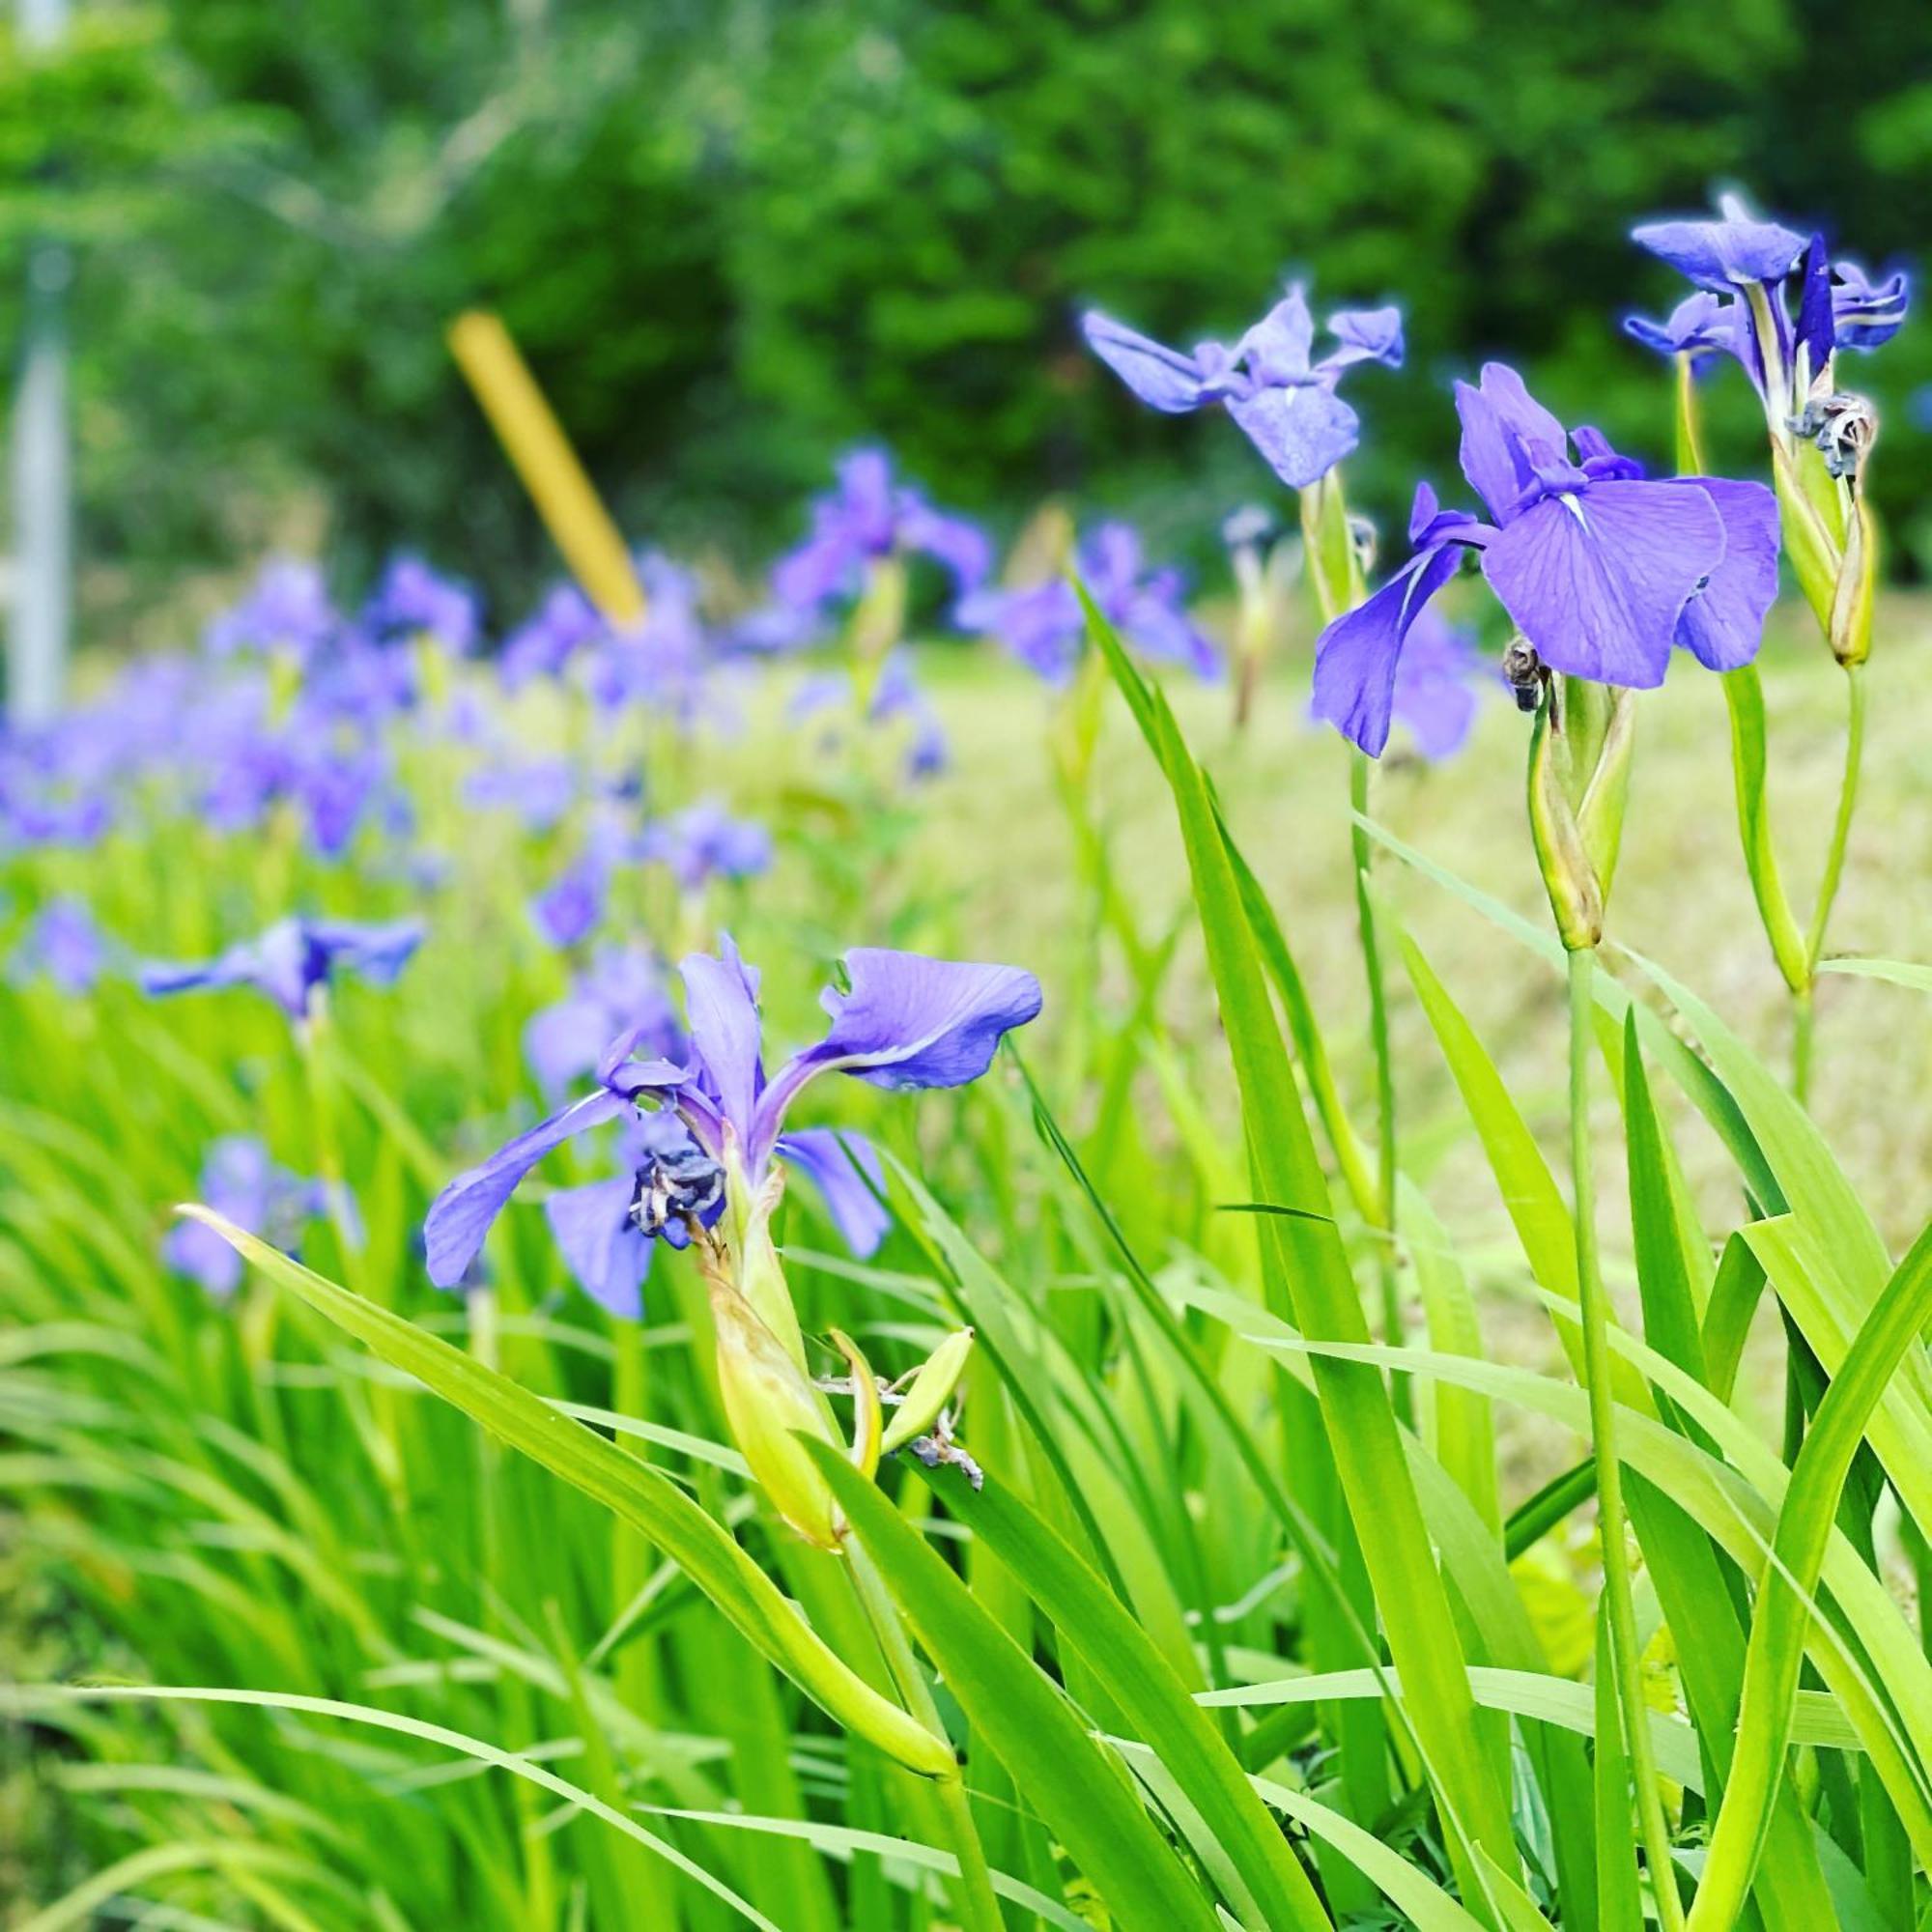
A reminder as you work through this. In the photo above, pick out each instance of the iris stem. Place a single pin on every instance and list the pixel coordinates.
(974, 1898)
(1841, 825)
(1626, 1653)
(1379, 1039)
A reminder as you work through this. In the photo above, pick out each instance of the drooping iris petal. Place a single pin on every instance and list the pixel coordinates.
(1162, 378)
(1868, 314)
(601, 1246)
(377, 953)
(1596, 580)
(460, 1215)
(844, 1168)
(1723, 624)
(957, 545)
(1366, 336)
(1356, 657)
(721, 1004)
(294, 958)
(906, 1022)
(1724, 254)
(1700, 324)
(1303, 432)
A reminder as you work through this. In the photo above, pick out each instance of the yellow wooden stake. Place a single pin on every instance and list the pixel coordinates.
(541, 454)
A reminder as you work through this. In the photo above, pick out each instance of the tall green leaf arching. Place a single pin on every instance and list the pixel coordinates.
(1092, 1621)
(1026, 1719)
(1804, 1531)
(1310, 1274)
(739, 1588)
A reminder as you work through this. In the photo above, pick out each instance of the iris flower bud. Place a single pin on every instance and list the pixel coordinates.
(1579, 760)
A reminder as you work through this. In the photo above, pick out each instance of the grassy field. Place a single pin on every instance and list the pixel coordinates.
(208, 1495)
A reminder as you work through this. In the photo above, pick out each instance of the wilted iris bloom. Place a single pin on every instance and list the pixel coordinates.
(867, 517)
(412, 600)
(242, 1185)
(621, 987)
(704, 841)
(1268, 382)
(1748, 272)
(287, 612)
(1044, 626)
(64, 946)
(713, 1122)
(1600, 569)
(295, 958)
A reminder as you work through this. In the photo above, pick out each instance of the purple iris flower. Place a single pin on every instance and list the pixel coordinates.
(571, 907)
(64, 946)
(294, 957)
(1839, 307)
(242, 1185)
(704, 841)
(622, 986)
(1600, 569)
(1268, 382)
(287, 611)
(541, 792)
(867, 517)
(1044, 626)
(904, 1021)
(413, 600)
(565, 623)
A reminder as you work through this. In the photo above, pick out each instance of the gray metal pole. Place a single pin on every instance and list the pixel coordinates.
(42, 470)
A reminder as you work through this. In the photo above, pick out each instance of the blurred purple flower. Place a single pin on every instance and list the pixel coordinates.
(287, 612)
(413, 600)
(1438, 684)
(703, 841)
(1283, 400)
(540, 792)
(1044, 626)
(905, 1022)
(242, 1185)
(867, 517)
(895, 694)
(543, 645)
(570, 908)
(293, 958)
(621, 986)
(61, 945)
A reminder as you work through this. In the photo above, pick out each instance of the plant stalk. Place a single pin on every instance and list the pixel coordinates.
(1626, 1654)
(1848, 799)
(974, 1898)
(1378, 1040)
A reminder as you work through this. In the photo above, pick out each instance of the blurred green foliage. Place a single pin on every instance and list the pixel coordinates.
(733, 236)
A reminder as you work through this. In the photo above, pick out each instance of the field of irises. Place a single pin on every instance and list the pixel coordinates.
(895, 1248)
